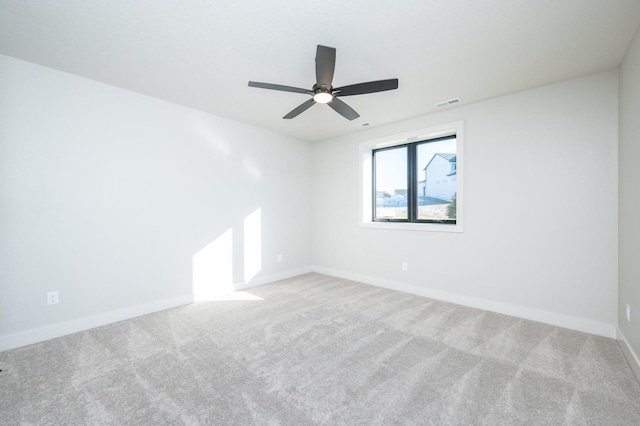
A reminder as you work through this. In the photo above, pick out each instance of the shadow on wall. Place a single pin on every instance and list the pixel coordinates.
(213, 265)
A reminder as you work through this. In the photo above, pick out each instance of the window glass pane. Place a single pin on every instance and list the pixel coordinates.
(436, 179)
(390, 174)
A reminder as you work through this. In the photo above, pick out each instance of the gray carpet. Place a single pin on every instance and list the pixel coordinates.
(320, 350)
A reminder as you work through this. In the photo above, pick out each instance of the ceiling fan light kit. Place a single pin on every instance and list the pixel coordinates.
(323, 97)
(324, 93)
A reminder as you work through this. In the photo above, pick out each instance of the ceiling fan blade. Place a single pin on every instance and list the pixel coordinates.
(368, 87)
(325, 65)
(343, 109)
(279, 87)
(300, 109)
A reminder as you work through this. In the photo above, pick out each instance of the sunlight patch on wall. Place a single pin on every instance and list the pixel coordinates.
(251, 169)
(212, 268)
(252, 245)
(221, 146)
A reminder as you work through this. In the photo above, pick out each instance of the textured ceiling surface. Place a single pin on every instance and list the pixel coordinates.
(202, 53)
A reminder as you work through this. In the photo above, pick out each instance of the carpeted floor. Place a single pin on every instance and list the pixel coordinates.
(321, 350)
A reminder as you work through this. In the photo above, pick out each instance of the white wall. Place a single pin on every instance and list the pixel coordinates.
(110, 197)
(540, 232)
(629, 231)
(106, 195)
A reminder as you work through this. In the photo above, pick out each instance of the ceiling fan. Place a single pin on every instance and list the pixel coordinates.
(324, 93)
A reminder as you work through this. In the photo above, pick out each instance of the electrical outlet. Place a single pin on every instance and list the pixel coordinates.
(53, 297)
(628, 313)
(279, 258)
(405, 266)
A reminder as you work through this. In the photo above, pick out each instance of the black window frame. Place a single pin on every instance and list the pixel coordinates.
(412, 180)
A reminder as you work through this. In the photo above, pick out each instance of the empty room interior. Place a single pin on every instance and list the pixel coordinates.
(290, 213)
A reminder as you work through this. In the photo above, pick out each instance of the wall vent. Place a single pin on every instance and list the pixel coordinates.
(447, 103)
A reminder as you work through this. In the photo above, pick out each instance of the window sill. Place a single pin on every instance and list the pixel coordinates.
(405, 226)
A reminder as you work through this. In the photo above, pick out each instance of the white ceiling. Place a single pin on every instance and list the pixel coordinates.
(202, 53)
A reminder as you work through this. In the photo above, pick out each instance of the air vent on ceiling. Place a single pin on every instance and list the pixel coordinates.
(447, 103)
(365, 124)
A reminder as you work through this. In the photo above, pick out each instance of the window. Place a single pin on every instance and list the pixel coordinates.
(412, 181)
(390, 172)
